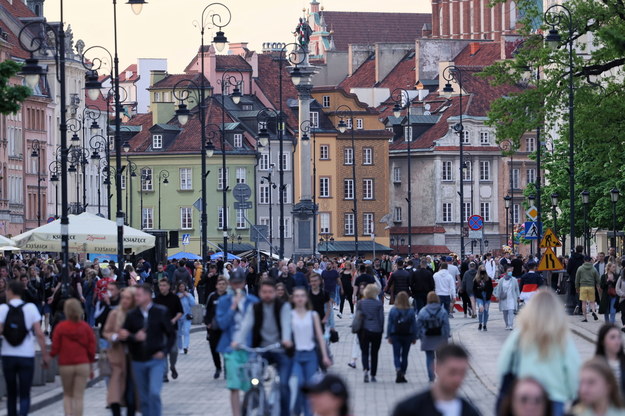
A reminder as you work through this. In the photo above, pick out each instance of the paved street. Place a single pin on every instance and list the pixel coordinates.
(196, 393)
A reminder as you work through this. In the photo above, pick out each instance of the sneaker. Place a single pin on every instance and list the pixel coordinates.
(465, 316)
(174, 373)
(340, 315)
(186, 351)
(217, 374)
(479, 328)
(485, 328)
(584, 320)
(373, 380)
(352, 365)
(366, 377)
(474, 316)
(165, 380)
(594, 315)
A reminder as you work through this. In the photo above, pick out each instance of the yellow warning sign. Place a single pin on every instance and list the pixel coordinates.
(550, 240)
(549, 261)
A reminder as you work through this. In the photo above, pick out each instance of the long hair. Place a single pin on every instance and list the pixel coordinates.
(507, 403)
(545, 308)
(121, 312)
(600, 350)
(601, 367)
(481, 274)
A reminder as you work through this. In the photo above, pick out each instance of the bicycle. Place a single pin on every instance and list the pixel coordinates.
(257, 401)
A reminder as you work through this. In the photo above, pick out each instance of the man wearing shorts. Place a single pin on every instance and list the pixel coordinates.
(231, 309)
(586, 280)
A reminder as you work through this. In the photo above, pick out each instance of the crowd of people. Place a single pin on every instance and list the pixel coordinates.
(137, 321)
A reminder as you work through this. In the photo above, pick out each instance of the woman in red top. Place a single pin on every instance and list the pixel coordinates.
(73, 342)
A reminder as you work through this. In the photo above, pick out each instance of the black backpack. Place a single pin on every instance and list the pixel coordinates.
(433, 325)
(403, 326)
(15, 330)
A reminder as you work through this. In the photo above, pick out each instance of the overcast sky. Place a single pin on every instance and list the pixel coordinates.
(165, 27)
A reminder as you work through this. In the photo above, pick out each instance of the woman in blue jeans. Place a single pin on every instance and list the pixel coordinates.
(607, 305)
(432, 329)
(401, 332)
(483, 291)
(184, 324)
(308, 339)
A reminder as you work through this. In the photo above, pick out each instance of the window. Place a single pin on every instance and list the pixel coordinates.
(287, 227)
(348, 189)
(348, 156)
(466, 137)
(367, 156)
(324, 222)
(220, 217)
(261, 125)
(146, 179)
(359, 124)
(447, 215)
(186, 218)
(286, 194)
(263, 193)
(157, 97)
(397, 214)
(530, 144)
(485, 170)
(447, 171)
(466, 211)
(222, 182)
(285, 161)
(516, 180)
(467, 170)
(314, 119)
(123, 182)
(531, 176)
(484, 138)
(157, 141)
(238, 140)
(349, 224)
(348, 122)
(367, 189)
(324, 152)
(368, 226)
(516, 213)
(326, 101)
(241, 218)
(241, 174)
(408, 133)
(185, 179)
(147, 219)
(485, 211)
(396, 175)
(324, 187)
(263, 163)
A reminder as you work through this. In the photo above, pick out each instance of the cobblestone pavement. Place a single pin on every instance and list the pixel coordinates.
(196, 393)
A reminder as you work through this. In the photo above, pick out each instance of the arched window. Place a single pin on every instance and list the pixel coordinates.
(513, 14)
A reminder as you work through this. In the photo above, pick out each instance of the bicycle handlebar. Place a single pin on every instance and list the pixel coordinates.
(260, 350)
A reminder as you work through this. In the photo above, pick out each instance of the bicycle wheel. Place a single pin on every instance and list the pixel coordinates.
(253, 403)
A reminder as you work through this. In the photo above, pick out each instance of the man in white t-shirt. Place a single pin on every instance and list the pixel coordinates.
(19, 360)
(452, 364)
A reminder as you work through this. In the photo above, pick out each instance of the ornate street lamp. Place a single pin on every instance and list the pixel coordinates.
(614, 195)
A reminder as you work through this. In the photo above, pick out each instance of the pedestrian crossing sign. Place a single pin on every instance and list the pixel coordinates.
(550, 240)
(532, 230)
(549, 261)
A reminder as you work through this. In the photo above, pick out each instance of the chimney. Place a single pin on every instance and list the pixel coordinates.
(474, 47)
(426, 30)
(156, 75)
(239, 48)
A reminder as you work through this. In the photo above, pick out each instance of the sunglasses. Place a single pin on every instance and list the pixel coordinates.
(533, 400)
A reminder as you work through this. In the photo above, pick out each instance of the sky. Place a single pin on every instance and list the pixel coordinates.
(165, 28)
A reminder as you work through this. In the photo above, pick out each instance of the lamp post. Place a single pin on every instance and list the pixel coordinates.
(36, 152)
(531, 198)
(131, 172)
(77, 157)
(344, 111)
(585, 201)
(326, 238)
(614, 195)
(55, 169)
(508, 148)
(554, 205)
(554, 16)
(453, 74)
(100, 143)
(264, 140)
(163, 178)
(507, 201)
(402, 100)
(307, 126)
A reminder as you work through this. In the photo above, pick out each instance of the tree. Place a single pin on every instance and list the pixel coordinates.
(599, 35)
(11, 96)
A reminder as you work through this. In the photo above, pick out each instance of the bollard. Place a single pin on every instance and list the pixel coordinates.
(38, 376)
(198, 314)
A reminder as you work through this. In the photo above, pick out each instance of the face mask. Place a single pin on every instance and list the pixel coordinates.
(509, 274)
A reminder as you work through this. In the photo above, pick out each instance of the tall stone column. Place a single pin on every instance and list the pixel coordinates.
(305, 209)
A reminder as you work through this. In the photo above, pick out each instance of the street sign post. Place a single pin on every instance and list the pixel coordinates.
(242, 192)
(258, 233)
(476, 222)
(532, 230)
(549, 261)
(532, 213)
(186, 239)
(550, 240)
(476, 234)
(243, 205)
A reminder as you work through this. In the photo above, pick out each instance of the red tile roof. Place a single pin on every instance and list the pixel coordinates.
(402, 76)
(172, 79)
(363, 77)
(133, 77)
(100, 103)
(225, 62)
(368, 27)
(268, 81)
(487, 53)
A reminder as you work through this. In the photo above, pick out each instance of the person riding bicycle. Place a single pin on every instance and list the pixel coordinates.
(269, 322)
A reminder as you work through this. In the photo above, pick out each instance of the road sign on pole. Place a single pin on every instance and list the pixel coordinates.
(243, 205)
(532, 230)
(242, 192)
(550, 240)
(186, 239)
(476, 234)
(532, 213)
(549, 261)
(475, 222)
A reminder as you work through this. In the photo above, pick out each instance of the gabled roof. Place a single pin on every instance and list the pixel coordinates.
(487, 53)
(269, 83)
(402, 76)
(370, 27)
(363, 77)
(133, 77)
(225, 62)
(172, 79)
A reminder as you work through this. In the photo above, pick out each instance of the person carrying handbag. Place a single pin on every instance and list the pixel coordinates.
(609, 297)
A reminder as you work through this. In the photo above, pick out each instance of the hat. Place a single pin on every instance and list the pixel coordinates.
(328, 383)
(237, 277)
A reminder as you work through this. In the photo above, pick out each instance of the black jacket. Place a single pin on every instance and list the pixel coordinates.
(422, 281)
(160, 333)
(424, 402)
(576, 260)
(399, 281)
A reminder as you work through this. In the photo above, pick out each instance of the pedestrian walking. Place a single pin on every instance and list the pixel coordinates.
(483, 291)
(587, 280)
(421, 283)
(347, 290)
(399, 281)
(187, 300)
(73, 342)
(507, 291)
(530, 282)
(466, 291)
(213, 330)
(310, 346)
(610, 348)
(598, 391)
(433, 330)
(121, 389)
(527, 398)
(545, 351)
(609, 297)
(150, 336)
(172, 304)
(441, 398)
(401, 333)
(20, 324)
(328, 395)
(370, 335)
(445, 287)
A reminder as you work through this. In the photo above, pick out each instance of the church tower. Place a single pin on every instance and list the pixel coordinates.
(36, 6)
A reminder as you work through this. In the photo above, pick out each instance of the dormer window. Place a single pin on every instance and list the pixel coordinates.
(238, 140)
(247, 107)
(157, 141)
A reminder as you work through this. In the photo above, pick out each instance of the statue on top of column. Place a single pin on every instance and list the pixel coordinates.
(303, 32)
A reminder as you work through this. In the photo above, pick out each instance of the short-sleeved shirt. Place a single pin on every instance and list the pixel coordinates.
(31, 316)
(330, 280)
(319, 301)
(362, 281)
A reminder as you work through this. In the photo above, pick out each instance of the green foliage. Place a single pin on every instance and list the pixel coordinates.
(598, 27)
(11, 96)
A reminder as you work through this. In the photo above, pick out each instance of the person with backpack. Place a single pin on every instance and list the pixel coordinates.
(20, 323)
(483, 291)
(432, 329)
(401, 332)
(370, 334)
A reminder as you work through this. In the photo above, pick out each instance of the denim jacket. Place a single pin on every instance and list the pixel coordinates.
(228, 322)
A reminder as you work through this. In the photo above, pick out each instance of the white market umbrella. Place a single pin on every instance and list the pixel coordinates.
(88, 233)
(5, 241)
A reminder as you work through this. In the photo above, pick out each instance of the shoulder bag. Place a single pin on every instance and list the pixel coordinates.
(357, 321)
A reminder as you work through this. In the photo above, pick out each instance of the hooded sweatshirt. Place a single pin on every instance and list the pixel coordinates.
(73, 342)
(587, 276)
